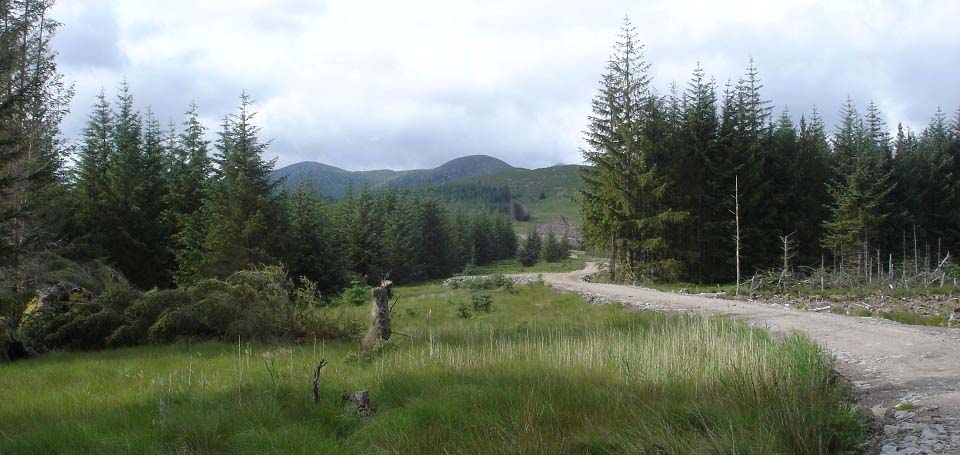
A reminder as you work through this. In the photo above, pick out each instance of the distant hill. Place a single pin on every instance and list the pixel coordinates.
(548, 192)
(333, 182)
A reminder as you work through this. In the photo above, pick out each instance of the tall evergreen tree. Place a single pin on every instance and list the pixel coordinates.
(623, 201)
(33, 100)
(243, 217)
(858, 194)
(312, 250)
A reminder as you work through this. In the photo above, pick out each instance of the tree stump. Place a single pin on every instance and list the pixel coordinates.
(380, 315)
(360, 402)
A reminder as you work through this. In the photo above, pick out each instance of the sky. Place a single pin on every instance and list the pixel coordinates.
(409, 84)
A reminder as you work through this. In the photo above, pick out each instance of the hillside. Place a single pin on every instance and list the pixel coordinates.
(333, 182)
(557, 185)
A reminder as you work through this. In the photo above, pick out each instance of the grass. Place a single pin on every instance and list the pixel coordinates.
(905, 317)
(508, 266)
(542, 373)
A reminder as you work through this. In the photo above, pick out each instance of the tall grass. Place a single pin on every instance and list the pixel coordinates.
(543, 372)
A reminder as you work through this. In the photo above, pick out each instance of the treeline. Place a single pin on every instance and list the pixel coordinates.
(659, 195)
(164, 209)
(486, 197)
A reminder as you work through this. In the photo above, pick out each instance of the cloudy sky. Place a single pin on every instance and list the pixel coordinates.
(404, 84)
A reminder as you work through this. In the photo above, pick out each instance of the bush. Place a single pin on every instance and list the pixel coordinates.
(142, 314)
(463, 312)
(357, 294)
(38, 322)
(482, 302)
(260, 304)
(86, 322)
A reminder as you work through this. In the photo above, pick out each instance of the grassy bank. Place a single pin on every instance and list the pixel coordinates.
(542, 372)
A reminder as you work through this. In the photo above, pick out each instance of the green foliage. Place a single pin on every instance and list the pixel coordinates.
(547, 371)
(482, 302)
(259, 304)
(463, 311)
(530, 248)
(244, 220)
(357, 294)
(625, 200)
(906, 317)
(33, 101)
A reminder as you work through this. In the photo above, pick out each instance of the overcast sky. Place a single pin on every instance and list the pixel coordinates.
(408, 84)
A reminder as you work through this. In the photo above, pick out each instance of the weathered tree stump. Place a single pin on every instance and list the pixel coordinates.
(360, 402)
(380, 315)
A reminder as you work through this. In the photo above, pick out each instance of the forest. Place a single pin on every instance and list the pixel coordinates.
(667, 170)
(134, 206)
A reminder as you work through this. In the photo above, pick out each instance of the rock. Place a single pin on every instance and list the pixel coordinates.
(929, 434)
(890, 430)
(888, 449)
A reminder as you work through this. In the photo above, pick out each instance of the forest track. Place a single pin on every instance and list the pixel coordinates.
(888, 363)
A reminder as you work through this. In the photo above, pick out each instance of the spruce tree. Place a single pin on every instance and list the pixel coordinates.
(243, 218)
(858, 194)
(530, 248)
(312, 250)
(435, 247)
(625, 191)
(33, 101)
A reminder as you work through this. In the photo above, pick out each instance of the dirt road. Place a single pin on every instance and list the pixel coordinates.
(889, 363)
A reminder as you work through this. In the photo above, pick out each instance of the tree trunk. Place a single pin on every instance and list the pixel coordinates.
(380, 315)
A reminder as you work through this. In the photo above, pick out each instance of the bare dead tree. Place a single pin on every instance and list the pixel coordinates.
(788, 254)
(736, 214)
(316, 380)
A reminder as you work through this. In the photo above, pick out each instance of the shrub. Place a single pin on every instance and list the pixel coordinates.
(482, 302)
(357, 294)
(88, 322)
(260, 304)
(39, 319)
(142, 314)
(463, 312)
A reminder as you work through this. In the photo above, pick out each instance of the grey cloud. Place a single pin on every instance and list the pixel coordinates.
(90, 38)
(352, 103)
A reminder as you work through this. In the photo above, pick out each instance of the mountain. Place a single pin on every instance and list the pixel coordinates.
(332, 181)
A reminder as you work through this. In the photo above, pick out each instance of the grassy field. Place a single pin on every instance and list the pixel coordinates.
(541, 373)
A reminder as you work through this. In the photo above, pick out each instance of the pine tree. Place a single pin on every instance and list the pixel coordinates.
(551, 248)
(435, 247)
(815, 171)
(624, 196)
(243, 218)
(312, 250)
(698, 145)
(363, 234)
(858, 193)
(33, 100)
(90, 187)
(401, 241)
(530, 248)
